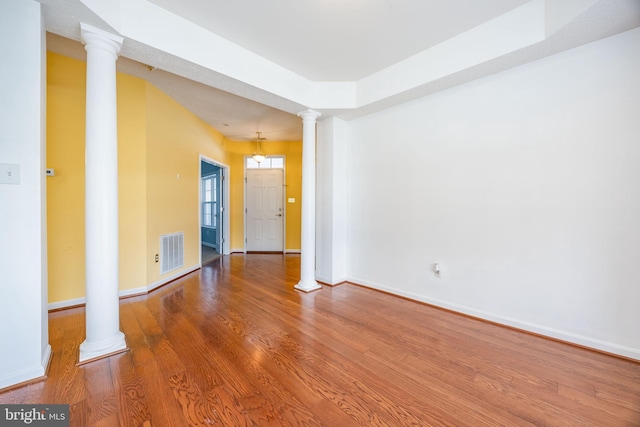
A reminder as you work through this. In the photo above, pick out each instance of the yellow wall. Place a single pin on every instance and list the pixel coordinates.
(293, 168)
(65, 190)
(158, 140)
(175, 140)
(132, 181)
(293, 188)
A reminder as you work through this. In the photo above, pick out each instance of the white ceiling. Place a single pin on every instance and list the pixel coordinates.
(338, 40)
(247, 65)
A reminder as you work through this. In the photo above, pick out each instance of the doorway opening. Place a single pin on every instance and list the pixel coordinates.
(213, 218)
(265, 216)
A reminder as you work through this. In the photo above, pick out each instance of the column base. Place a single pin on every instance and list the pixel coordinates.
(308, 286)
(96, 350)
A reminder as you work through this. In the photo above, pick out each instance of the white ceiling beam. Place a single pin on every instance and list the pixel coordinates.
(162, 39)
(517, 29)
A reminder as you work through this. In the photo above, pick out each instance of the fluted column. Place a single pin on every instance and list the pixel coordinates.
(103, 335)
(307, 281)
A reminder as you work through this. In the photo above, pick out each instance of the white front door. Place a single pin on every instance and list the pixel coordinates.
(264, 215)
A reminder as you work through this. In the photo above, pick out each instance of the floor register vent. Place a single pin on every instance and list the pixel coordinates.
(171, 252)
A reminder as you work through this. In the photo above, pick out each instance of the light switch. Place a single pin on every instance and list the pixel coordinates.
(291, 200)
(9, 173)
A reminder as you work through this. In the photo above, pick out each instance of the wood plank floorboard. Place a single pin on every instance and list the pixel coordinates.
(234, 344)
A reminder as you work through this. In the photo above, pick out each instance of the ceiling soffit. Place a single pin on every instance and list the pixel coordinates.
(180, 47)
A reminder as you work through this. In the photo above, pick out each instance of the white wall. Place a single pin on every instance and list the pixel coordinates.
(331, 201)
(524, 186)
(24, 348)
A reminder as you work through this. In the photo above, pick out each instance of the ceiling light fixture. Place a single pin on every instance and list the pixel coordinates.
(258, 155)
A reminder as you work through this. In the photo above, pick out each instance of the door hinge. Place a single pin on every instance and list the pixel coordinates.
(245, 179)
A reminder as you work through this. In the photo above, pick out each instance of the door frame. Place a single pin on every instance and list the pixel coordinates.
(224, 188)
(284, 200)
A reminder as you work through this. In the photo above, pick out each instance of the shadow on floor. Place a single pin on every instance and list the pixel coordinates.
(209, 254)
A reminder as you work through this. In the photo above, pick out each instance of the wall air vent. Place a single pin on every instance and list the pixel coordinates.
(171, 252)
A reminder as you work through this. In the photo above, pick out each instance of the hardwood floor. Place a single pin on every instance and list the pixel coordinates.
(234, 344)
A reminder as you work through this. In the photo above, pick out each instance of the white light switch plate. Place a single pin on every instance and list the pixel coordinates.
(9, 173)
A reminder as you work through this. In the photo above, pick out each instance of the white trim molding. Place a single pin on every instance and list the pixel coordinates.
(565, 336)
(142, 290)
(330, 282)
(29, 374)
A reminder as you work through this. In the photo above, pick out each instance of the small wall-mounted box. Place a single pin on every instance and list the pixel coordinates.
(291, 200)
(50, 172)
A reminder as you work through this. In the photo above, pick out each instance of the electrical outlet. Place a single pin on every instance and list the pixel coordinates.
(157, 257)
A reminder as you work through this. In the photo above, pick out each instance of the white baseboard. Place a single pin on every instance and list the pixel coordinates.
(21, 377)
(46, 357)
(581, 340)
(168, 279)
(127, 292)
(134, 291)
(67, 303)
(28, 374)
(331, 282)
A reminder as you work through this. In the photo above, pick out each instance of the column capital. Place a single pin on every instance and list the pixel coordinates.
(95, 37)
(309, 114)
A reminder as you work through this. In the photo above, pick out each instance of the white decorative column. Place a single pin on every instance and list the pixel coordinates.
(307, 281)
(103, 335)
